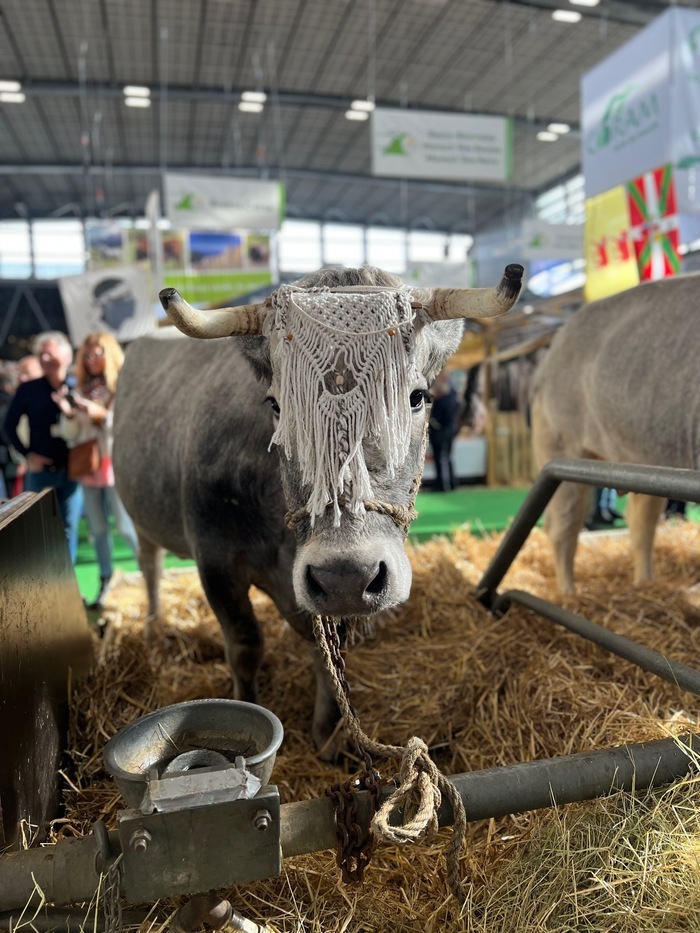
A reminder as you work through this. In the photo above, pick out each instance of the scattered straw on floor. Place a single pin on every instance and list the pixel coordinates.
(481, 692)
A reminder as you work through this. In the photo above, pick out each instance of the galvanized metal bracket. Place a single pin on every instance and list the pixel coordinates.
(192, 848)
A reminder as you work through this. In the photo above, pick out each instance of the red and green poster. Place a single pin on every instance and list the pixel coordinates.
(654, 223)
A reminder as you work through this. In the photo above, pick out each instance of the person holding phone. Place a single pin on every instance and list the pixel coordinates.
(86, 415)
(45, 451)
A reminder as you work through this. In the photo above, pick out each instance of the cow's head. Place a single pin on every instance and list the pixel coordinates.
(348, 356)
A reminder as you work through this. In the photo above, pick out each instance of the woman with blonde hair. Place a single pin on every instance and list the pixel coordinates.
(86, 416)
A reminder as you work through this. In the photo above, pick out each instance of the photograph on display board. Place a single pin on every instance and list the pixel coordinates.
(172, 244)
(257, 251)
(211, 251)
(105, 244)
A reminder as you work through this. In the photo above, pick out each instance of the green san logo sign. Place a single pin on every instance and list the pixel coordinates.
(628, 116)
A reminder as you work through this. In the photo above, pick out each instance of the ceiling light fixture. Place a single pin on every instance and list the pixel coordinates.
(11, 86)
(137, 102)
(10, 97)
(545, 136)
(559, 128)
(254, 97)
(362, 106)
(358, 115)
(250, 106)
(566, 16)
(136, 90)
(585, 2)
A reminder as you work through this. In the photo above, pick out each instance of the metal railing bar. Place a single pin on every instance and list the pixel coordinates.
(646, 658)
(654, 481)
(66, 871)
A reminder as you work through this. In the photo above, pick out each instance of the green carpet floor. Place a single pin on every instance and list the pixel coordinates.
(483, 509)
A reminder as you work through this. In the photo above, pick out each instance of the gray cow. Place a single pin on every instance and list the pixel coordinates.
(193, 426)
(617, 384)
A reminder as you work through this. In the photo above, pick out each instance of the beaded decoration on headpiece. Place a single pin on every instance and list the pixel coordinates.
(346, 364)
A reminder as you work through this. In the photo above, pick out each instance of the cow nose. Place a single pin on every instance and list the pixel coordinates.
(346, 589)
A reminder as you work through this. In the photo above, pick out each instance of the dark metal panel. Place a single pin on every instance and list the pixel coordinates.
(43, 634)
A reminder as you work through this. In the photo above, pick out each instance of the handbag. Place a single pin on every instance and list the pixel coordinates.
(83, 459)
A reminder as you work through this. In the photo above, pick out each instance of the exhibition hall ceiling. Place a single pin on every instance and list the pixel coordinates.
(73, 147)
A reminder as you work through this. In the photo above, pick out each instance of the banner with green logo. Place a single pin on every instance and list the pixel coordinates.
(458, 147)
(626, 112)
(641, 109)
(215, 202)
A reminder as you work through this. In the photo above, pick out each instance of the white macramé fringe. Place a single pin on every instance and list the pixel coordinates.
(367, 338)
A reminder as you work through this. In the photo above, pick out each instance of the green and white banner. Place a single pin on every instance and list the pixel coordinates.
(626, 115)
(207, 202)
(641, 109)
(541, 240)
(458, 147)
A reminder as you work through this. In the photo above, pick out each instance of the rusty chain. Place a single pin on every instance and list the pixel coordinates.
(354, 852)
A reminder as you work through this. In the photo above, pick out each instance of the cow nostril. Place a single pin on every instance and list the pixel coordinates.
(378, 584)
(316, 591)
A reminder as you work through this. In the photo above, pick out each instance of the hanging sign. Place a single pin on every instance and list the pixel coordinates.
(205, 202)
(458, 147)
(551, 241)
(626, 117)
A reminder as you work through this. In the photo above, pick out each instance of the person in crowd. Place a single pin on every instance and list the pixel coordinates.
(6, 464)
(86, 415)
(442, 430)
(675, 508)
(45, 452)
(28, 368)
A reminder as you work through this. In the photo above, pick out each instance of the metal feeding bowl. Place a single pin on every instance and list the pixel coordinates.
(200, 733)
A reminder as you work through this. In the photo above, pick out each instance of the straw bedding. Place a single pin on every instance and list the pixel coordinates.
(481, 692)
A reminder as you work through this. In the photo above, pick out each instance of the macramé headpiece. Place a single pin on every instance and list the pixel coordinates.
(346, 364)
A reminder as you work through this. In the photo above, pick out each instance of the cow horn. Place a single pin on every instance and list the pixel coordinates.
(449, 303)
(224, 322)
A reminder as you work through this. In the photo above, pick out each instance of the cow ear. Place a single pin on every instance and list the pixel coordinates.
(257, 351)
(441, 340)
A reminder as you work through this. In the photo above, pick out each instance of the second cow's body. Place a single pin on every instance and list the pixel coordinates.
(620, 383)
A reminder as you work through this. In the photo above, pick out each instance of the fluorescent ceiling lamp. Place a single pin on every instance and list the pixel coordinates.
(137, 101)
(136, 90)
(254, 97)
(356, 115)
(585, 2)
(365, 106)
(545, 136)
(559, 128)
(566, 16)
(8, 97)
(11, 86)
(250, 106)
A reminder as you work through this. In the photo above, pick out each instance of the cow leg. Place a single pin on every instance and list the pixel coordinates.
(243, 640)
(642, 514)
(151, 564)
(327, 719)
(563, 520)
(325, 726)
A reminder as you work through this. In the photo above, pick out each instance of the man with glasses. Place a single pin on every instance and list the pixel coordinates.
(46, 453)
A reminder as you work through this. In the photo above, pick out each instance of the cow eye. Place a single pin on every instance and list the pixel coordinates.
(272, 402)
(418, 399)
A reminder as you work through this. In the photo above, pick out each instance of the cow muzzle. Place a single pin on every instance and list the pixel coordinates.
(356, 584)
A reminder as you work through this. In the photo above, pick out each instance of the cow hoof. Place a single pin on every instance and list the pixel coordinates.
(155, 631)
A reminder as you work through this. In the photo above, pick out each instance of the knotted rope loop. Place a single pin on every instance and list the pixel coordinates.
(401, 515)
(421, 787)
(417, 799)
